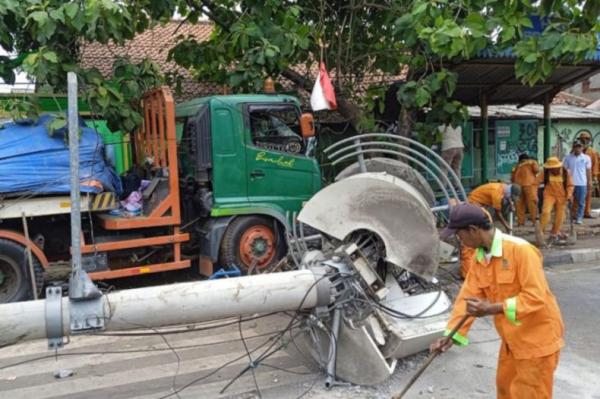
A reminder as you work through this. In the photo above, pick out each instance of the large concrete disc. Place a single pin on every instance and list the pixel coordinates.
(392, 167)
(382, 204)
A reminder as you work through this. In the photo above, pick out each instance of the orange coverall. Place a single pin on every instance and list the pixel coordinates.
(531, 326)
(555, 195)
(593, 154)
(490, 194)
(524, 174)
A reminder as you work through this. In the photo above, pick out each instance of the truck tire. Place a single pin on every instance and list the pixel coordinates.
(251, 241)
(15, 283)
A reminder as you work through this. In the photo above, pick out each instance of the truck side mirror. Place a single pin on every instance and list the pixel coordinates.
(307, 125)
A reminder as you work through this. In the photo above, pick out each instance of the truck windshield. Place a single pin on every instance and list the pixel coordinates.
(276, 129)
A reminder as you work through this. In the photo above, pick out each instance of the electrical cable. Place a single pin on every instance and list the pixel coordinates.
(283, 369)
(174, 381)
(265, 354)
(119, 352)
(196, 380)
(252, 365)
(183, 330)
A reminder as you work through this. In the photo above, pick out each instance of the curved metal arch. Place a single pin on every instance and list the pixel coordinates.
(403, 147)
(439, 159)
(384, 151)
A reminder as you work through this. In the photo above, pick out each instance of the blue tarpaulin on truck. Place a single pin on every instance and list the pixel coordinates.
(33, 161)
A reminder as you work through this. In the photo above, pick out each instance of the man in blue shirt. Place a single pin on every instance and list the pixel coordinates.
(580, 167)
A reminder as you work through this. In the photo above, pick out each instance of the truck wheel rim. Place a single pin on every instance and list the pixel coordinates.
(257, 246)
(11, 278)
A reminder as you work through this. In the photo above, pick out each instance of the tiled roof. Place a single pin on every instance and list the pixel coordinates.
(154, 44)
(565, 98)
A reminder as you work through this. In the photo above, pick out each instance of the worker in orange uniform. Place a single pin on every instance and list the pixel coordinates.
(507, 281)
(524, 174)
(558, 191)
(497, 197)
(586, 139)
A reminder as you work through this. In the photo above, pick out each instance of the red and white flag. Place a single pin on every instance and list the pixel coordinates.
(323, 95)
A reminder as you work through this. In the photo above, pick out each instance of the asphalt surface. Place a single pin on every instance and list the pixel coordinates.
(200, 364)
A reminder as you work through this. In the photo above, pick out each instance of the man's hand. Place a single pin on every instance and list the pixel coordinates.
(482, 307)
(441, 345)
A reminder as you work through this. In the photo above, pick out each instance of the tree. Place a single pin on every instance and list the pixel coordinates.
(253, 39)
(363, 38)
(44, 37)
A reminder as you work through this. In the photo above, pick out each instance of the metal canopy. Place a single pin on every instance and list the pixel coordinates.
(494, 77)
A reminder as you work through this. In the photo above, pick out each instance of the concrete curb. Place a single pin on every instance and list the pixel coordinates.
(572, 256)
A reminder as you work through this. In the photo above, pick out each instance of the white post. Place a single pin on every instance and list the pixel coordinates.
(181, 303)
(73, 123)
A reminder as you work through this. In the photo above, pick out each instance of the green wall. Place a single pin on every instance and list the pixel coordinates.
(569, 130)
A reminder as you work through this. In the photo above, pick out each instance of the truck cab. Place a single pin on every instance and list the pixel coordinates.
(223, 178)
(246, 166)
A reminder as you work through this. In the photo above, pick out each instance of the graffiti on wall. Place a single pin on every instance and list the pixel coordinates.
(564, 138)
(528, 139)
(514, 137)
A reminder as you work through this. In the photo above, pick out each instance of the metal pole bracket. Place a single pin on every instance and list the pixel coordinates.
(54, 318)
(86, 306)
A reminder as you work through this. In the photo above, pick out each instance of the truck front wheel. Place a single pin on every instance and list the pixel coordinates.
(251, 242)
(15, 283)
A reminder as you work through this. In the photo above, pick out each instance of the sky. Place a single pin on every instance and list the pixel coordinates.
(21, 82)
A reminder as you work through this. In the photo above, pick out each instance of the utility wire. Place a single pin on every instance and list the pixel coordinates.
(251, 364)
(119, 352)
(182, 330)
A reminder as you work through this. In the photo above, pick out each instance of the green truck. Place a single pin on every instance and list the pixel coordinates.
(226, 174)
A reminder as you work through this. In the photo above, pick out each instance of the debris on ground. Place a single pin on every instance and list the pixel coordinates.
(63, 373)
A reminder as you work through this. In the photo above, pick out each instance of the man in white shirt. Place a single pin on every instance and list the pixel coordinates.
(580, 167)
(452, 146)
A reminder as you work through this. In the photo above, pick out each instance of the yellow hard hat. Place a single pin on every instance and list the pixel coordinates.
(552, 162)
(585, 135)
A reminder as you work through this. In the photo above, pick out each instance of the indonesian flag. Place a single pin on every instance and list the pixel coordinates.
(323, 95)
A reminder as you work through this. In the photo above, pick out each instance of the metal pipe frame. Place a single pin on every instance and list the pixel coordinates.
(406, 140)
(413, 159)
(390, 152)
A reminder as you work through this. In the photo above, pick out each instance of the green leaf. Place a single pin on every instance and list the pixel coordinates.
(41, 17)
(422, 97)
(269, 52)
(546, 67)
(58, 15)
(508, 33)
(526, 22)
(531, 58)
(50, 56)
(71, 9)
(419, 9)
(55, 124)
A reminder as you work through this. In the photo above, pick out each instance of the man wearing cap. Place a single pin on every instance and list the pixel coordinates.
(498, 196)
(524, 174)
(580, 167)
(507, 281)
(558, 191)
(586, 139)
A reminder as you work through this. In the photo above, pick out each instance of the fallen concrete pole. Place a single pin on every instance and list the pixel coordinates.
(179, 303)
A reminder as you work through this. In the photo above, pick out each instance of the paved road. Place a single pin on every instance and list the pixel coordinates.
(145, 367)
